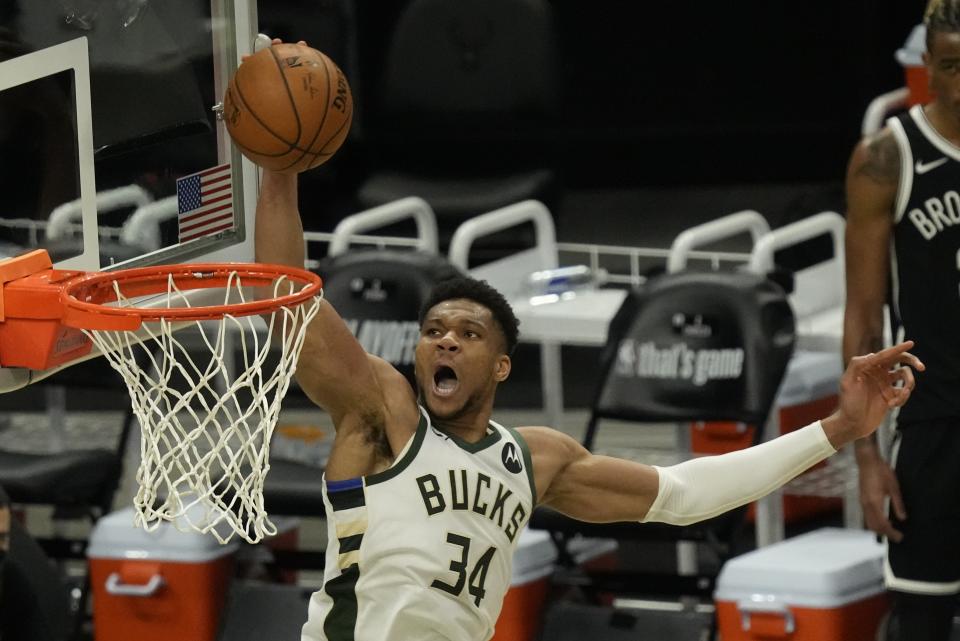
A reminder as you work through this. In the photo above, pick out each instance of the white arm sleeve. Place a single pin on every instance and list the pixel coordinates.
(708, 486)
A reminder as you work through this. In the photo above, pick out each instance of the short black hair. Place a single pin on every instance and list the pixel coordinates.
(479, 291)
(941, 16)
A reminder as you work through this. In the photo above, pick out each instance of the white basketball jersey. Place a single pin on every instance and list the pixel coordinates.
(424, 549)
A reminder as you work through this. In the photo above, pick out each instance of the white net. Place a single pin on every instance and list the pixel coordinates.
(208, 400)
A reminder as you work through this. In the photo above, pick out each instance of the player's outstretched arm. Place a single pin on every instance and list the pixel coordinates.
(604, 489)
(333, 370)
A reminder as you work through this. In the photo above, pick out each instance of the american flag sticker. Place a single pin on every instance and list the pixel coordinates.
(205, 203)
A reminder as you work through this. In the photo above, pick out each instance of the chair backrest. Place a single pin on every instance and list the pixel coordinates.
(36, 600)
(378, 217)
(818, 287)
(713, 231)
(472, 60)
(508, 273)
(697, 346)
(379, 292)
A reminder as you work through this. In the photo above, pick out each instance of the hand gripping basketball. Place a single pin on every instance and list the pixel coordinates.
(288, 107)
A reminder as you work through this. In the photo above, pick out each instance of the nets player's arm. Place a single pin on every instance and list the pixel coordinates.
(871, 188)
(598, 488)
(333, 369)
(873, 177)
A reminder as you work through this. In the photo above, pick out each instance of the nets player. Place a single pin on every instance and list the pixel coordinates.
(903, 193)
(426, 495)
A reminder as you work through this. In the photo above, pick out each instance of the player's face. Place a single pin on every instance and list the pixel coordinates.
(460, 358)
(943, 66)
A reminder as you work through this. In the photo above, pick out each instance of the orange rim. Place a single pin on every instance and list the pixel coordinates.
(85, 298)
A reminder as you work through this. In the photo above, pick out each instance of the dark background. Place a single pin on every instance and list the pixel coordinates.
(670, 111)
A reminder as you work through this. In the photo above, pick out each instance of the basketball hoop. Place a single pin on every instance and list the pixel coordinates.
(206, 423)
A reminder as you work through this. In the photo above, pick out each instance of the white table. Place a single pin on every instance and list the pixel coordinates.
(821, 332)
(577, 318)
(583, 318)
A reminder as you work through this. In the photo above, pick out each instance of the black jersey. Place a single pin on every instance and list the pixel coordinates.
(925, 262)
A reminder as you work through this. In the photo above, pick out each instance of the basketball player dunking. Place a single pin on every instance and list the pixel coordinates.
(903, 221)
(426, 495)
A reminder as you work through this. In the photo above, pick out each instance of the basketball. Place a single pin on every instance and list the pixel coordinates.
(288, 108)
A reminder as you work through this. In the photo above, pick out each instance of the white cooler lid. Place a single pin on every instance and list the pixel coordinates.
(822, 569)
(116, 537)
(810, 376)
(536, 554)
(584, 549)
(534, 557)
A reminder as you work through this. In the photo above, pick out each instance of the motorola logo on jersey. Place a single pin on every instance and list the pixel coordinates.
(511, 458)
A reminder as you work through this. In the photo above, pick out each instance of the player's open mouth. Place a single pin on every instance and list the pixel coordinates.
(445, 381)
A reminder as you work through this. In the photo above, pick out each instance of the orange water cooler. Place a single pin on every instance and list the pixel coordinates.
(156, 586)
(533, 565)
(826, 585)
(522, 610)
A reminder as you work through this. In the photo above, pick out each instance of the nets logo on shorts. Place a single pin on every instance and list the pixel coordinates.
(511, 458)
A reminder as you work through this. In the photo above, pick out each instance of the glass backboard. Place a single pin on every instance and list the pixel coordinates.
(112, 153)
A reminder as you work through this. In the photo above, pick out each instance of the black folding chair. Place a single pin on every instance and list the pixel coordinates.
(78, 483)
(687, 346)
(36, 601)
